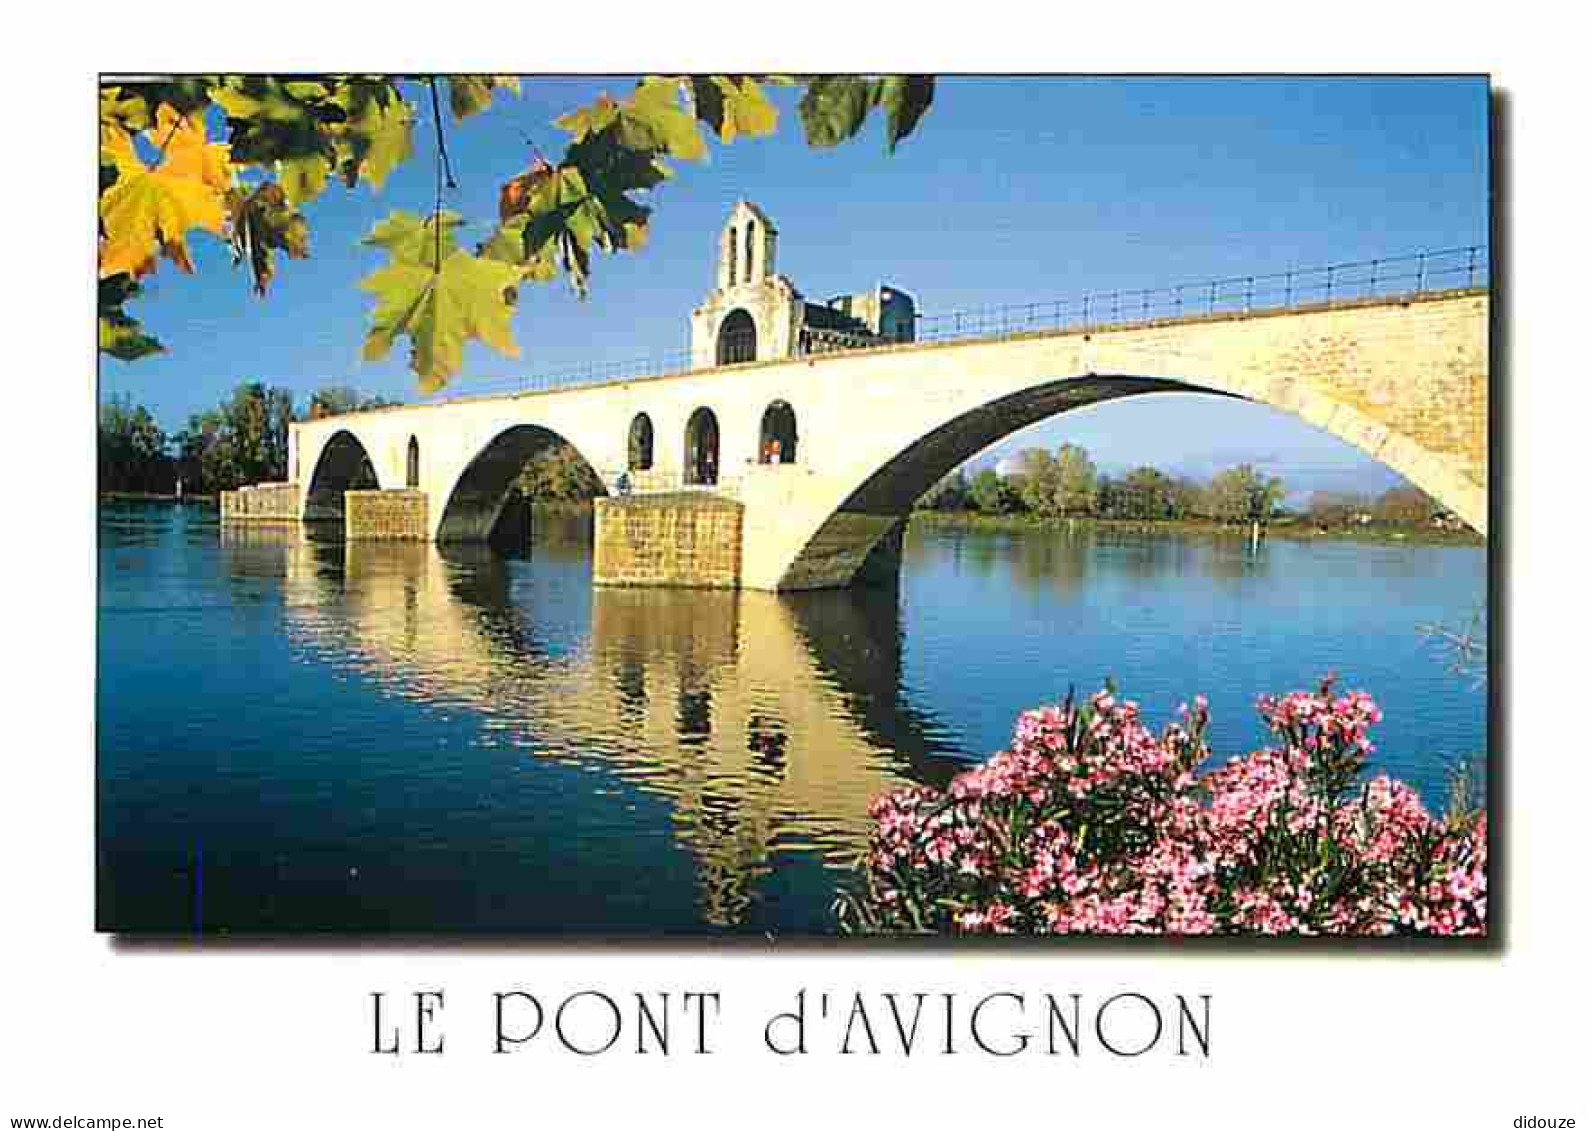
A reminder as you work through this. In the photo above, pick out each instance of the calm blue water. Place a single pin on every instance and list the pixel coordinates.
(296, 735)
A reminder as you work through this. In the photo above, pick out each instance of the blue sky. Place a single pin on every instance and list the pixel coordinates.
(1011, 191)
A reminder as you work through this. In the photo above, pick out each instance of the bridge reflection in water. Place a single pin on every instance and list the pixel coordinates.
(768, 723)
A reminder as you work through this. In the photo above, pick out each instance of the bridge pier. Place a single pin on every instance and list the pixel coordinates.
(387, 516)
(685, 539)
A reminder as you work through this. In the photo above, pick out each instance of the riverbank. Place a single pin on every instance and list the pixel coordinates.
(152, 497)
(1298, 530)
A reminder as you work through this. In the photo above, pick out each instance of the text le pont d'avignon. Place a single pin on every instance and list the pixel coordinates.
(593, 1022)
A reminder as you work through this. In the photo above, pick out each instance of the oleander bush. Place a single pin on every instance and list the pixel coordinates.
(1092, 824)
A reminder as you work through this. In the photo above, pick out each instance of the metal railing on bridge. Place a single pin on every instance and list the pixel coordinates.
(1395, 277)
(656, 481)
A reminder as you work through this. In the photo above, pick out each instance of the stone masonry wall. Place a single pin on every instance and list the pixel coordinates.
(692, 539)
(387, 516)
(261, 502)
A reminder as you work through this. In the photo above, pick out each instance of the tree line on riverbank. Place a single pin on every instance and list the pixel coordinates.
(241, 440)
(1067, 484)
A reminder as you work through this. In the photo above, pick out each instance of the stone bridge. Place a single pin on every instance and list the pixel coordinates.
(797, 473)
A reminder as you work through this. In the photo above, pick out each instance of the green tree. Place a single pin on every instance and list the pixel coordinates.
(1407, 505)
(1189, 497)
(1145, 493)
(1243, 494)
(559, 474)
(949, 493)
(1335, 508)
(132, 448)
(336, 400)
(161, 179)
(1060, 485)
(989, 493)
(244, 440)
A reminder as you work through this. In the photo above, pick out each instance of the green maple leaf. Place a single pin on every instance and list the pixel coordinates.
(262, 223)
(469, 94)
(655, 106)
(359, 128)
(120, 335)
(905, 98)
(834, 107)
(732, 105)
(650, 121)
(438, 301)
(281, 126)
(376, 135)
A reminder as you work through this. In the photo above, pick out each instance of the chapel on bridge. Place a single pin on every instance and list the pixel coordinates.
(755, 314)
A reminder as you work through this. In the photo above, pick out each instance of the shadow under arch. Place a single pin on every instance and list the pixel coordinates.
(875, 510)
(344, 465)
(477, 502)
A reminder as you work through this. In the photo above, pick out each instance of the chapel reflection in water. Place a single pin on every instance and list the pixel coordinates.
(768, 722)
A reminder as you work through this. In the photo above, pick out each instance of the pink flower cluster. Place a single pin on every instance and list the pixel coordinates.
(1090, 823)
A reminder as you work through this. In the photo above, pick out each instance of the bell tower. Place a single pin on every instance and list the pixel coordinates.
(748, 248)
(751, 313)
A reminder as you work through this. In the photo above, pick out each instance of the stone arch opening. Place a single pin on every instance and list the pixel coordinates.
(413, 463)
(779, 434)
(736, 342)
(487, 498)
(864, 521)
(702, 448)
(343, 465)
(641, 443)
(748, 254)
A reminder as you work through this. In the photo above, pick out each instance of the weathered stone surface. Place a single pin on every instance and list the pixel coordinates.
(690, 539)
(261, 502)
(387, 516)
(1406, 381)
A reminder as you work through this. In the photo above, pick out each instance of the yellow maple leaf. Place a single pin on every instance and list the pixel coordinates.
(150, 209)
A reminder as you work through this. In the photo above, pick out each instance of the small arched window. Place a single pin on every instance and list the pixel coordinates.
(748, 254)
(413, 462)
(779, 434)
(732, 256)
(702, 448)
(641, 443)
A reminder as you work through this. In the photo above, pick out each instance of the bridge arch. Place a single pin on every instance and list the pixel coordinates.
(343, 465)
(702, 448)
(641, 443)
(858, 527)
(779, 433)
(736, 341)
(481, 492)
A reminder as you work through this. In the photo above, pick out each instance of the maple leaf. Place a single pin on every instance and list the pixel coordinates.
(650, 121)
(906, 98)
(472, 93)
(377, 134)
(732, 105)
(262, 223)
(120, 335)
(833, 108)
(517, 192)
(438, 296)
(150, 210)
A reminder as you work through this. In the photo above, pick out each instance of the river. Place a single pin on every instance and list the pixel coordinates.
(297, 735)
